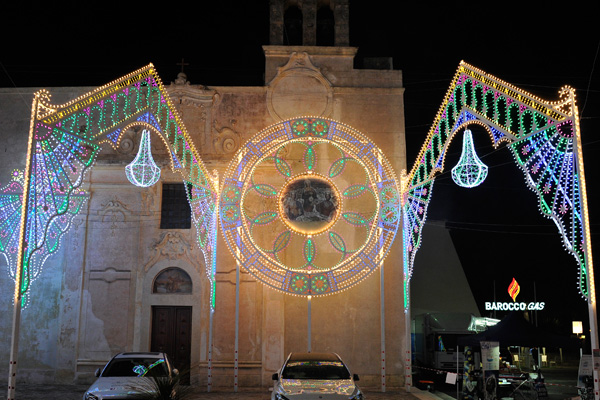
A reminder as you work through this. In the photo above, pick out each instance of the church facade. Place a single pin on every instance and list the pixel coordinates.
(129, 275)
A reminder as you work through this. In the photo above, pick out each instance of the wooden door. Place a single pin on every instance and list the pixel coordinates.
(172, 333)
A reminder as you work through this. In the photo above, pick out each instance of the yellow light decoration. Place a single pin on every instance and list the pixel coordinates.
(533, 129)
(247, 219)
(101, 116)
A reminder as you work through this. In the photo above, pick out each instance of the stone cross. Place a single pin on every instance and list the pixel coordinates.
(182, 63)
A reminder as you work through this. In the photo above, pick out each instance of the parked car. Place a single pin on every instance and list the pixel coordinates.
(315, 376)
(128, 375)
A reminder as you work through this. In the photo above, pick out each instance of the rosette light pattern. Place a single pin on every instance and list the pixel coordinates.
(310, 208)
(143, 171)
(470, 171)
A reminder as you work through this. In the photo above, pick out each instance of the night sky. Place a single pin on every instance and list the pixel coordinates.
(497, 228)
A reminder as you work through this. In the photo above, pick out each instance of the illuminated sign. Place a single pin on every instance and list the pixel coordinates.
(513, 291)
(503, 306)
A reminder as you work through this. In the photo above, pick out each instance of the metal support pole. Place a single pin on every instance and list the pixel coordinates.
(587, 254)
(212, 306)
(408, 339)
(309, 338)
(237, 327)
(210, 344)
(14, 349)
(457, 372)
(382, 318)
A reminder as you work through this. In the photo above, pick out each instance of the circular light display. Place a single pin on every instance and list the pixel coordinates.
(309, 206)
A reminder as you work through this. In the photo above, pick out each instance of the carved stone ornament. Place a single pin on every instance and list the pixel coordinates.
(299, 88)
(181, 79)
(127, 144)
(191, 95)
(148, 202)
(75, 224)
(172, 246)
(116, 212)
(227, 139)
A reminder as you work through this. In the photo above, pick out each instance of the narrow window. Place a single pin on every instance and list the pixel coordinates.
(325, 27)
(292, 25)
(175, 210)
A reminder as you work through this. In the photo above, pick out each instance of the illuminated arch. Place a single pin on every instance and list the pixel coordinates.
(64, 141)
(63, 144)
(544, 140)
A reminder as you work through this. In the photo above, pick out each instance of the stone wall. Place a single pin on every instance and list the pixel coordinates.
(94, 298)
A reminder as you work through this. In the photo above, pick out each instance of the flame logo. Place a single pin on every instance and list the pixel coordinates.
(514, 289)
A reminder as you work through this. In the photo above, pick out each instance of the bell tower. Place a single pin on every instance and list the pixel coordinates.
(309, 23)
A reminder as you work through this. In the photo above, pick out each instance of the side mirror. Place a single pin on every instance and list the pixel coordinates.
(97, 373)
(356, 378)
(175, 372)
(275, 377)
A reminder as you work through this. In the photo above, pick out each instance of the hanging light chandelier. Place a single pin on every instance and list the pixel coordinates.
(143, 171)
(470, 170)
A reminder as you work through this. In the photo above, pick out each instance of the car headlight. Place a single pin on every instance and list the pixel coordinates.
(357, 395)
(279, 396)
(89, 396)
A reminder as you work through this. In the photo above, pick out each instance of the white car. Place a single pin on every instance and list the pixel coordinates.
(127, 375)
(306, 376)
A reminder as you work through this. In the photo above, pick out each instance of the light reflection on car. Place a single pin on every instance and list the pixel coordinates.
(126, 374)
(315, 376)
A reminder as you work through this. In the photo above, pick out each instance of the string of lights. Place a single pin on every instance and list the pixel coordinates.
(65, 140)
(542, 137)
(339, 212)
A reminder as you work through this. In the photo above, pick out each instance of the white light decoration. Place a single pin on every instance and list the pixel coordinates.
(143, 171)
(64, 141)
(315, 227)
(470, 171)
(544, 139)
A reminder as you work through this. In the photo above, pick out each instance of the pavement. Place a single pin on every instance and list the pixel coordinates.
(560, 382)
(75, 392)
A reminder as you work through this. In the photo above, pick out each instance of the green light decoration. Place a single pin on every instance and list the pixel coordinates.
(143, 171)
(65, 140)
(310, 206)
(470, 170)
(309, 252)
(544, 139)
(45, 203)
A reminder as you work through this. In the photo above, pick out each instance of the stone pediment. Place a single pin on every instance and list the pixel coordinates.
(172, 245)
(299, 88)
(298, 60)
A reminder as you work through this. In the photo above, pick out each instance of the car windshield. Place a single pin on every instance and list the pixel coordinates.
(151, 367)
(315, 370)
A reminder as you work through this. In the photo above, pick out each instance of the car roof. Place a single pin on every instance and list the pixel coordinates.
(313, 357)
(146, 354)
